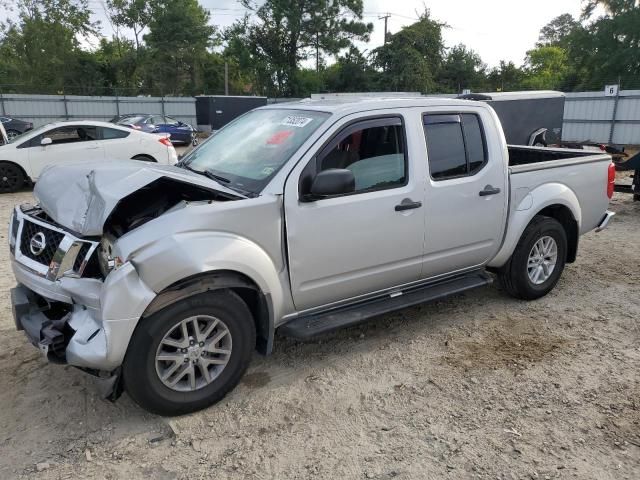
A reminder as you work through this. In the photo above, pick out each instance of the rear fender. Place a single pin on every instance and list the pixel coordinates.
(527, 205)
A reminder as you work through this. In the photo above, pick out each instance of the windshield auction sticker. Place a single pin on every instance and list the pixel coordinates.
(296, 121)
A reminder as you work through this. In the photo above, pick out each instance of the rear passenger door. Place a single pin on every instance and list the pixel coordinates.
(467, 191)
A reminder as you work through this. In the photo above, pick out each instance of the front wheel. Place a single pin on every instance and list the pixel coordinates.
(11, 177)
(190, 354)
(538, 260)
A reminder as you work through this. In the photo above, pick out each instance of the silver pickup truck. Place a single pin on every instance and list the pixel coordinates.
(301, 218)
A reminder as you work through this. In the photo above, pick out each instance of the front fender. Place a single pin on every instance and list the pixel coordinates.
(527, 205)
(182, 255)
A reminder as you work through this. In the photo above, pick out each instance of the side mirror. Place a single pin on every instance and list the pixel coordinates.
(46, 141)
(335, 181)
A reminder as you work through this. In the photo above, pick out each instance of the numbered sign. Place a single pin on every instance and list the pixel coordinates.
(611, 91)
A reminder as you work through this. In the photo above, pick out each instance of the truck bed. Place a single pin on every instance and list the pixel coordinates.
(584, 174)
(524, 155)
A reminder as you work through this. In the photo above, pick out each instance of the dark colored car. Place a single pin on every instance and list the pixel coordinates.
(15, 127)
(180, 132)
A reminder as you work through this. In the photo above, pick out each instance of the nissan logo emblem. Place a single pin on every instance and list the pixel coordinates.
(38, 243)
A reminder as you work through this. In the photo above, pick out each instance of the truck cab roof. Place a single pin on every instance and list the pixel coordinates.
(348, 104)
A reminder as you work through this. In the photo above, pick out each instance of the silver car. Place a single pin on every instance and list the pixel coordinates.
(297, 218)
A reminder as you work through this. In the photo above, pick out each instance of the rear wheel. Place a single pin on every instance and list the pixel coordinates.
(11, 177)
(11, 134)
(538, 260)
(190, 354)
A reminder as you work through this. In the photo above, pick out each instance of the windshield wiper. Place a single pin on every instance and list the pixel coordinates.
(215, 176)
(218, 178)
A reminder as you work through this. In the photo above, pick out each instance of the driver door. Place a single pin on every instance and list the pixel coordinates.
(68, 144)
(364, 241)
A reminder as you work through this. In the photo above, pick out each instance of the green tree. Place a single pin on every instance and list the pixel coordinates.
(546, 68)
(507, 77)
(462, 68)
(42, 49)
(132, 14)
(177, 43)
(350, 73)
(412, 57)
(288, 32)
(558, 31)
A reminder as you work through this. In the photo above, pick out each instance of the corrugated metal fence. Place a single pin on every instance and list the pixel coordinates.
(588, 116)
(592, 116)
(42, 109)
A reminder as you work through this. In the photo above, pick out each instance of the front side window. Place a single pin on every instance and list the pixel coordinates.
(71, 134)
(455, 145)
(249, 151)
(373, 150)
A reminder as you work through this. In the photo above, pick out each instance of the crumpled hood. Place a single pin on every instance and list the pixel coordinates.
(81, 196)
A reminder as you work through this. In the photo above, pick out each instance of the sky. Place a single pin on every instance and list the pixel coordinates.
(496, 29)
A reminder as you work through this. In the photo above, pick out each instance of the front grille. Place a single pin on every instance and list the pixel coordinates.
(52, 240)
(84, 249)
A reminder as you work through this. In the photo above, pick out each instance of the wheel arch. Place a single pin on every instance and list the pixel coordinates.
(259, 303)
(553, 200)
(144, 157)
(565, 217)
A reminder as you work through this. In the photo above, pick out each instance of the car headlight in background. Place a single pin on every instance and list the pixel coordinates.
(107, 259)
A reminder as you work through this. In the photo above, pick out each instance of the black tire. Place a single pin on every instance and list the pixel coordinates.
(11, 134)
(144, 158)
(514, 276)
(11, 177)
(141, 380)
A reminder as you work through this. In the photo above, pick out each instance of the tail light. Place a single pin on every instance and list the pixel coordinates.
(135, 127)
(165, 141)
(602, 147)
(611, 180)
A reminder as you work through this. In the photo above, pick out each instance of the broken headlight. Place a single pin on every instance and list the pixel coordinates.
(107, 259)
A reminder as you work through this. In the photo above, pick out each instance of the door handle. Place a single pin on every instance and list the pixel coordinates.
(489, 190)
(407, 204)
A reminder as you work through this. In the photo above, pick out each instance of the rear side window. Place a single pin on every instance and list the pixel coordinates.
(455, 145)
(111, 133)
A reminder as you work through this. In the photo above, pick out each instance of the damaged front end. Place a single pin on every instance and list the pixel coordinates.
(57, 301)
(76, 300)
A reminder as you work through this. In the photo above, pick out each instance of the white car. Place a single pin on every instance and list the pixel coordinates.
(25, 156)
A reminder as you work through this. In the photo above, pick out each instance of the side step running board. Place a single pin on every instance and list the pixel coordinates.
(309, 326)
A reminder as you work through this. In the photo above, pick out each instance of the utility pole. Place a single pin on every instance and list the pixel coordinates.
(226, 78)
(386, 19)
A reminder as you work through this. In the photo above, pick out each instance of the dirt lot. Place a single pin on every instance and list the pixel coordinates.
(478, 386)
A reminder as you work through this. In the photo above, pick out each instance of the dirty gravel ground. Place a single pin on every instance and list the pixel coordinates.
(477, 386)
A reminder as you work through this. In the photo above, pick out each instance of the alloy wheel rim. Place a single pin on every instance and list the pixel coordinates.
(193, 353)
(542, 260)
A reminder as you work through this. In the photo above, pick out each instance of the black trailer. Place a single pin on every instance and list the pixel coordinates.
(631, 164)
(528, 118)
(214, 111)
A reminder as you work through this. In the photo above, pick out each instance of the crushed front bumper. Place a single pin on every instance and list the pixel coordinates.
(47, 326)
(81, 321)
